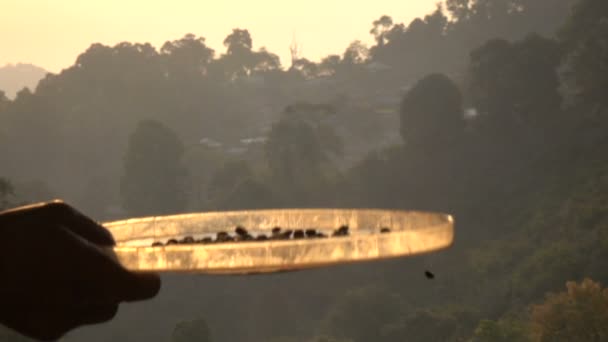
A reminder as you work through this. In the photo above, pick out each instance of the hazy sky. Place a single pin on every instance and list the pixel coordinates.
(51, 33)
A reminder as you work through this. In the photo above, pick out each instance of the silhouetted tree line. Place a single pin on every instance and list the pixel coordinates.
(503, 124)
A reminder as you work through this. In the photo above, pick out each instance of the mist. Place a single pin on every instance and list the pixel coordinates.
(493, 111)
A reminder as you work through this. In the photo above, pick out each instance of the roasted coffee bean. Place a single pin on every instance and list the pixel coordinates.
(245, 237)
(277, 233)
(187, 240)
(223, 237)
(311, 232)
(298, 234)
(342, 231)
(240, 231)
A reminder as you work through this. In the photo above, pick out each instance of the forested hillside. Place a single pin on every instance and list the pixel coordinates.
(495, 111)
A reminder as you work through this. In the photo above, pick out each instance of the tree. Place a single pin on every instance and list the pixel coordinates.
(475, 21)
(431, 112)
(249, 194)
(225, 179)
(380, 27)
(360, 314)
(459, 9)
(191, 331)
(372, 181)
(266, 61)
(584, 38)
(241, 61)
(418, 48)
(355, 53)
(501, 331)
(292, 148)
(329, 65)
(302, 129)
(430, 325)
(187, 57)
(299, 154)
(6, 191)
(578, 314)
(517, 80)
(4, 101)
(152, 182)
(306, 68)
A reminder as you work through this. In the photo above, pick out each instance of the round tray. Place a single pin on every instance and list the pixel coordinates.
(411, 233)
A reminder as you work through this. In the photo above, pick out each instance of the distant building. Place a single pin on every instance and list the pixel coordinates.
(210, 143)
(377, 66)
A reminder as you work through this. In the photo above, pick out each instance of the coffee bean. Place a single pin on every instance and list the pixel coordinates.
(240, 231)
(311, 232)
(187, 240)
(342, 231)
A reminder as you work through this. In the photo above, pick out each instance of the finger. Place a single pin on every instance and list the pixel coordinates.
(60, 213)
(140, 286)
(79, 223)
(118, 283)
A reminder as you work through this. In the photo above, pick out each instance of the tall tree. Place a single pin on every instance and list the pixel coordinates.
(518, 80)
(187, 57)
(380, 27)
(585, 39)
(4, 101)
(241, 61)
(298, 154)
(225, 179)
(239, 58)
(431, 112)
(248, 194)
(6, 191)
(153, 177)
(305, 68)
(355, 53)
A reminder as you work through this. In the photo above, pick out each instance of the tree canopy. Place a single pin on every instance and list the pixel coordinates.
(153, 178)
(431, 112)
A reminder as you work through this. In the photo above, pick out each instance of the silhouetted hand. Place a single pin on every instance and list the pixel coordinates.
(53, 276)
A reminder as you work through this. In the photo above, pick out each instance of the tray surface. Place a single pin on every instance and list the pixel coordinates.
(411, 233)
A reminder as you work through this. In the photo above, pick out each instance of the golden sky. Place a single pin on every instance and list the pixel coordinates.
(51, 33)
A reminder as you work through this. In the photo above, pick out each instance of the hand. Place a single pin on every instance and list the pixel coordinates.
(53, 275)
